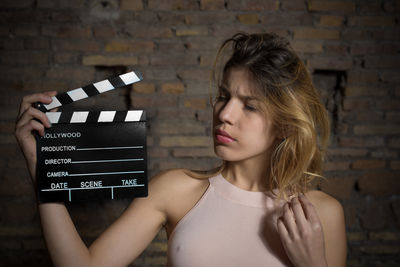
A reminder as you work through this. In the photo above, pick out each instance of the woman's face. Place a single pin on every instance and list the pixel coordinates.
(241, 130)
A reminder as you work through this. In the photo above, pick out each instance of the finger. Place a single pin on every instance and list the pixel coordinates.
(309, 210)
(289, 221)
(28, 100)
(282, 231)
(298, 213)
(30, 114)
(29, 127)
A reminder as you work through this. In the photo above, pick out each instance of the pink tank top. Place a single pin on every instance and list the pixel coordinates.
(228, 226)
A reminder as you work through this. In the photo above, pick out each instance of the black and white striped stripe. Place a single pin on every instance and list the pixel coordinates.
(91, 90)
(96, 116)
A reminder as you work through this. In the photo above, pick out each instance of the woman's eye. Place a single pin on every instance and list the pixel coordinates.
(250, 107)
(221, 98)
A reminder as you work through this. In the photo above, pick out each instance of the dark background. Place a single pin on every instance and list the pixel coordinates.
(351, 48)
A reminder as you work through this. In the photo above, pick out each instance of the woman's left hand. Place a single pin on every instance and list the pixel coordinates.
(301, 233)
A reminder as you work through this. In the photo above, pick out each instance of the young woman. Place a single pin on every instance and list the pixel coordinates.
(270, 130)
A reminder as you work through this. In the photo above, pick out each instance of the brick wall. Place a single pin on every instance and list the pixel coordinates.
(351, 47)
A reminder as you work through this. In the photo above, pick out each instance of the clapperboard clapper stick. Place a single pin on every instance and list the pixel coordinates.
(92, 155)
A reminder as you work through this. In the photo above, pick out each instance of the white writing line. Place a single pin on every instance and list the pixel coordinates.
(86, 188)
(102, 173)
(111, 147)
(105, 160)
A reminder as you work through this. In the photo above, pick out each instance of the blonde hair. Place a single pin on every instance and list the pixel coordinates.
(290, 98)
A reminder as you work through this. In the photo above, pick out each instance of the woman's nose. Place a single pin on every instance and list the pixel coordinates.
(228, 112)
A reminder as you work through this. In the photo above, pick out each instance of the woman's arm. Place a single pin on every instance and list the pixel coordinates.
(121, 243)
(312, 230)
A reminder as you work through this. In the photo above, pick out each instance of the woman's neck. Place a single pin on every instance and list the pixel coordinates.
(250, 174)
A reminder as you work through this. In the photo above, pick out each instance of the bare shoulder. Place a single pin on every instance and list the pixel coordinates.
(175, 192)
(173, 181)
(325, 205)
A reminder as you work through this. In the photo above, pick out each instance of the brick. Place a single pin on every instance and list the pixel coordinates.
(65, 58)
(37, 43)
(291, 19)
(101, 31)
(191, 30)
(132, 5)
(209, 17)
(371, 49)
(24, 58)
(149, 32)
(248, 18)
(372, 21)
(352, 152)
(336, 166)
(388, 104)
(75, 45)
(26, 30)
(144, 88)
(60, 4)
(207, 60)
(178, 127)
(383, 153)
(393, 116)
(259, 5)
(365, 91)
(212, 4)
(77, 74)
(390, 76)
(362, 77)
(151, 101)
(392, 61)
(354, 33)
(293, 5)
(391, 6)
(185, 141)
(66, 31)
(384, 236)
(368, 164)
(11, 44)
(195, 103)
(17, 4)
(331, 21)
(336, 49)
(370, 116)
(194, 74)
(379, 183)
(361, 142)
(172, 5)
(331, 63)
(373, 217)
(339, 6)
(338, 187)
(193, 152)
(380, 249)
(316, 34)
(157, 152)
(100, 60)
(358, 104)
(173, 59)
(356, 236)
(376, 129)
(159, 73)
(173, 88)
(394, 142)
(386, 34)
(130, 46)
(23, 73)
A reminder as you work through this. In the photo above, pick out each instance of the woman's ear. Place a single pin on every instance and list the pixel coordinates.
(284, 132)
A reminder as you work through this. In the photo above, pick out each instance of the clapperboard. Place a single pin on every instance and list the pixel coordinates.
(92, 155)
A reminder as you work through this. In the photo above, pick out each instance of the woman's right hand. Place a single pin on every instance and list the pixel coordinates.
(30, 119)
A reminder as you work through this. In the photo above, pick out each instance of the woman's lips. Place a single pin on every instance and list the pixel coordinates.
(223, 137)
